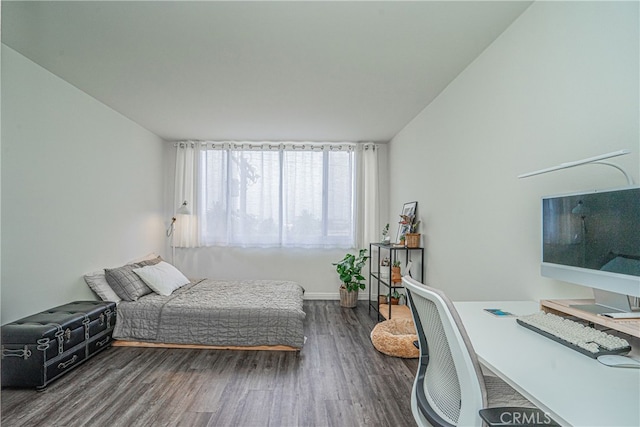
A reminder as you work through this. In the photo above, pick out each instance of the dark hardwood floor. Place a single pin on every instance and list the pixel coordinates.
(338, 379)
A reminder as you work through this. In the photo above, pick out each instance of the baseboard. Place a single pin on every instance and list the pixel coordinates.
(332, 295)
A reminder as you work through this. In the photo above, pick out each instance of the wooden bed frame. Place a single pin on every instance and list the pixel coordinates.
(122, 343)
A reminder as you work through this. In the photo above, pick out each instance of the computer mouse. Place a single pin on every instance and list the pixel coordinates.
(618, 361)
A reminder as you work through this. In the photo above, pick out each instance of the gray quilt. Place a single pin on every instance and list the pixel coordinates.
(217, 312)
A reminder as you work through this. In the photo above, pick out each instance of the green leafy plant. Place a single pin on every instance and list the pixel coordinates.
(396, 263)
(349, 269)
(385, 238)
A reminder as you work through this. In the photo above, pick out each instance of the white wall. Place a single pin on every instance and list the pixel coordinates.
(81, 189)
(311, 268)
(560, 84)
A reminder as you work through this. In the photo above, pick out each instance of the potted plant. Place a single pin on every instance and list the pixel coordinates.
(395, 297)
(384, 268)
(412, 236)
(385, 237)
(396, 276)
(349, 269)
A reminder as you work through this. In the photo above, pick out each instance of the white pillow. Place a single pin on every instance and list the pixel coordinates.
(98, 283)
(163, 277)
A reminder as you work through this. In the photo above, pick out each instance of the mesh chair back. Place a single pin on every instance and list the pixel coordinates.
(449, 386)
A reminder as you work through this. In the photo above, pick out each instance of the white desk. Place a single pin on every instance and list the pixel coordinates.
(575, 389)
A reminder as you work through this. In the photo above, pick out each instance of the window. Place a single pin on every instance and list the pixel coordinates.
(275, 195)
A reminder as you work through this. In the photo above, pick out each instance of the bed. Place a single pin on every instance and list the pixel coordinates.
(209, 313)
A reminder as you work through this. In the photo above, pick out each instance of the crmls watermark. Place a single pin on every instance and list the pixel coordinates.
(525, 418)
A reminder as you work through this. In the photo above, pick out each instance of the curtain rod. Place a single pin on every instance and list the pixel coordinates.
(273, 145)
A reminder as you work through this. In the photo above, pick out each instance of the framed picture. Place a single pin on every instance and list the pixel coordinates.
(408, 209)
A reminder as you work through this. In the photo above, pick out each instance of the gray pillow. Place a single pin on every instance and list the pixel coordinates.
(98, 284)
(125, 283)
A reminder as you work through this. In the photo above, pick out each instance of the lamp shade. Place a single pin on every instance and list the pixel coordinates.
(183, 209)
(580, 209)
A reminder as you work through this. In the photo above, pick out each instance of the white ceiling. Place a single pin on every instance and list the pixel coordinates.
(299, 71)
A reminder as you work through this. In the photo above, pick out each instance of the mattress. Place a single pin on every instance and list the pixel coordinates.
(218, 313)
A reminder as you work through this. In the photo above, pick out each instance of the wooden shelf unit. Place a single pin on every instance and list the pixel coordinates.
(627, 326)
(399, 311)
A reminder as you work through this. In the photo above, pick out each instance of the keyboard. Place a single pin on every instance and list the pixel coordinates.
(575, 335)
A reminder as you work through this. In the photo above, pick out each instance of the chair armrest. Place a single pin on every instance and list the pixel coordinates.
(516, 417)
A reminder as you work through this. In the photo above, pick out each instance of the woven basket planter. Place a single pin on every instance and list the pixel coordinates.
(412, 240)
(348, 299)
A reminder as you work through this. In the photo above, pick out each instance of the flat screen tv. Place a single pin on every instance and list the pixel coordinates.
(593, 239)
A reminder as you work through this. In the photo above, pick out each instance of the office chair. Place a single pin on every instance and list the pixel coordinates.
(450, 389)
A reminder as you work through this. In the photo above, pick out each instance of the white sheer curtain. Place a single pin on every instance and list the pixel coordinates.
(277, 194)
(187, 231)
(368, 195)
